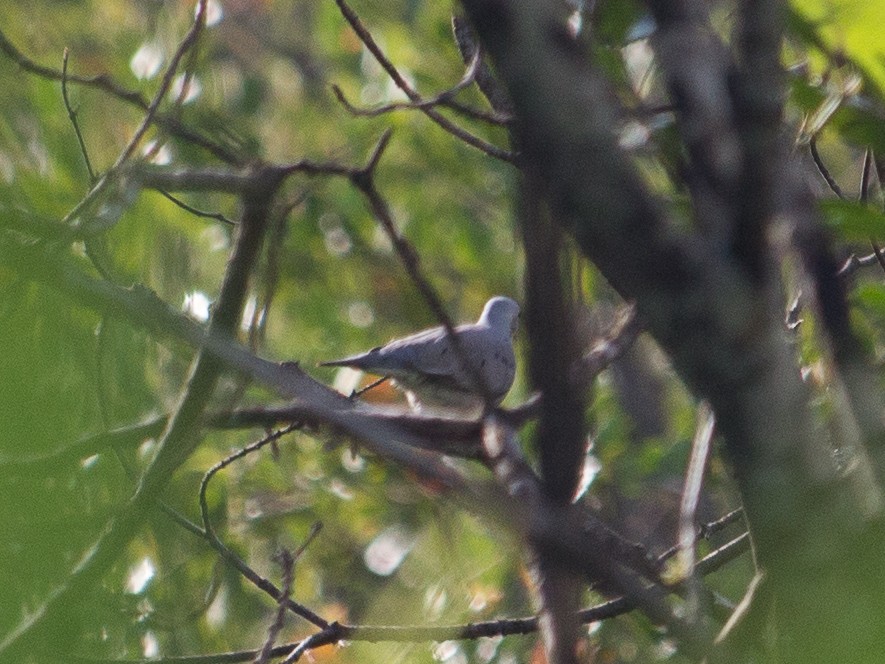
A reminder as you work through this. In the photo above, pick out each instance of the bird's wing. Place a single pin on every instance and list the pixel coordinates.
(487, 350)
(400, 355)
(428, 353)
(491, 352)
(429, 356)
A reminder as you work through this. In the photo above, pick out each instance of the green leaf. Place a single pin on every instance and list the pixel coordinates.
(853, 221)
(872, 296)
(850, 27)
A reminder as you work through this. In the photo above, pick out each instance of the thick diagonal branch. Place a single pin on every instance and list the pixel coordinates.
(696, 66)
(716, 315)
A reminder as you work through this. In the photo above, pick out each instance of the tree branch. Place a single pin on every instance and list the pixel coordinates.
(73, 117)
(366, 37)
(336, 632)
(279, 594)
(697, 69)
(107, 84)
(178, 440)
(445, 98)
(111, 175)
(561, 437)
(717, 315)
(564, 533)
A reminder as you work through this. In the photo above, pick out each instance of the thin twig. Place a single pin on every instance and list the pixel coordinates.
(877, 252)
(364, 180)
(106, 84)
(90, 249)
(468, 46)
(195, 211)
(101, 82)
(244, 569)
(444, 98)
(287, 563)
(717, 559)
(497, 119)
(257, 580)
(375, 383)
(707, 530)
(73, 115)
(188, 42)
(609, 348)
(854, 262)
(271, 274)
(864, 196)
(366, 37)
(228, 460)
(822, 168)
(691, 493)
(865, 176)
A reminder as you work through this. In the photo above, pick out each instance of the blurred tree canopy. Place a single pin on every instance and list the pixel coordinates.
(200, 201)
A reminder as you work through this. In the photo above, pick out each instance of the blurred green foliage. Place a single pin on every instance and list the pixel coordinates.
(331, 286)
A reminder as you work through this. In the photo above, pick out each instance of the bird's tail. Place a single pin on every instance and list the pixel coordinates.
(362, 361)
(346, 362)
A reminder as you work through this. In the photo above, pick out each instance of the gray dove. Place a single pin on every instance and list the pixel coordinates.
(427, 366)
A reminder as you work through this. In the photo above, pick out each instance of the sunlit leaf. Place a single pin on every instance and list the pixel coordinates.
(852, 27)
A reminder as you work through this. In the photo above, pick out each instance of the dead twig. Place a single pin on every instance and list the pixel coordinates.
(822, 168)
(445, 98)
(691, 493)
(364, 180)
(617, 341)
(366, 37)
(105, 83)
(256, 579)
(72, 114)
(196, 211)
(287, 562)
(187, 43)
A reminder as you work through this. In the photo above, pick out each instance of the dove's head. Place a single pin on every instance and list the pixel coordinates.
(501, 313)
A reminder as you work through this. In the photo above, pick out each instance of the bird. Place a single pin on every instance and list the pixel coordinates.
(427, 366)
